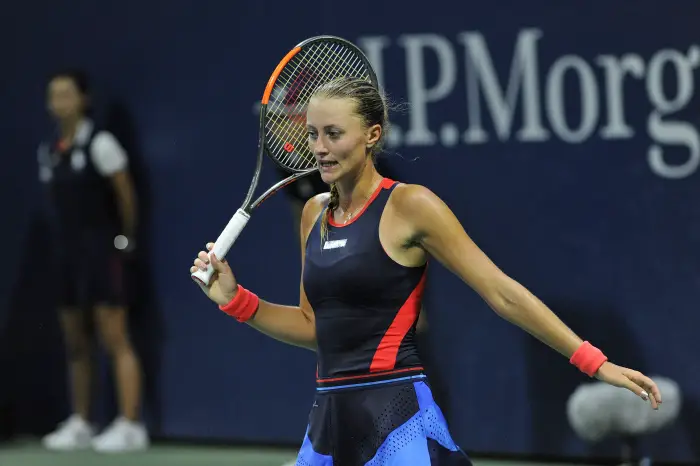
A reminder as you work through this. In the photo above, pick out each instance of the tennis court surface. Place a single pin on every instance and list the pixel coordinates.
(30, 453)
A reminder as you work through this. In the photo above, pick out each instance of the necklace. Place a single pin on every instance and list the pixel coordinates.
(348, 216)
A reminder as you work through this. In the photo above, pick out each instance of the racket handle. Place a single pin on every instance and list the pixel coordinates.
(223, 244)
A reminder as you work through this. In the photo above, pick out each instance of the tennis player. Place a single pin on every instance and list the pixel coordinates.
(365, 249)
(93, 211)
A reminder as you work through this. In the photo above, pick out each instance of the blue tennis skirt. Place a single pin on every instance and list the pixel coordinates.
(391, 422)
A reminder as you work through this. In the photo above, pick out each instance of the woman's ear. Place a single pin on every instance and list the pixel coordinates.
(374, 134)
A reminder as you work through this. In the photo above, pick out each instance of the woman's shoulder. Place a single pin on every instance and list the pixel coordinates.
(408, 197)
(312, 210)
(317, 203)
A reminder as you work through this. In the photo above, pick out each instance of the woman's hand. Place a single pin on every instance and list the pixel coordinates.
(222, 286)
(632, 380)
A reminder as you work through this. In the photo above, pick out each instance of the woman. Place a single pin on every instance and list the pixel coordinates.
(366, 246)
(93, 212)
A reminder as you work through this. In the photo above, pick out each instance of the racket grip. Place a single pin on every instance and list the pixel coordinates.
(223, 243)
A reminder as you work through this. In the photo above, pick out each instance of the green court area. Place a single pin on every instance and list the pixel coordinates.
(32, 454)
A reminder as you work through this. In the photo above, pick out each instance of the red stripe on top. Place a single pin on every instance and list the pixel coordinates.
(387, 351)
(366, 376)
(385, 184)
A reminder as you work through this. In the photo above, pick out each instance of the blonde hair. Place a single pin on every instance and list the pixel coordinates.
(371, 106)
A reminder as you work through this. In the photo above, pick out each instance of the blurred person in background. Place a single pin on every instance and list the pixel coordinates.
(92, 210)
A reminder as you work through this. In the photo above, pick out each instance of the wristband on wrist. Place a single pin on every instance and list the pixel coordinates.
(588, 359)
(243, 305)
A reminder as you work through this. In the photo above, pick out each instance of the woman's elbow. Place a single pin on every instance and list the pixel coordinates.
(310, 341)
(506, 297)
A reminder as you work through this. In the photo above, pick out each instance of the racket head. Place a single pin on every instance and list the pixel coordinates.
(306, 67)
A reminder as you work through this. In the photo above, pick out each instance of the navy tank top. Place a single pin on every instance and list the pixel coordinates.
(366, 305)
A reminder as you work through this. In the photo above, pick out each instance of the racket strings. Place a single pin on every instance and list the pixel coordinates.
(303, 82)
(305, 89)
(356, 66)
(286, 134)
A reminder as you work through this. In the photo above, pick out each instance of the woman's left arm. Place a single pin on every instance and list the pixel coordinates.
(441, 235)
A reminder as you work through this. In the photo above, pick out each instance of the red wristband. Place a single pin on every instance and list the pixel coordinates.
(588, 359)
(243, 305)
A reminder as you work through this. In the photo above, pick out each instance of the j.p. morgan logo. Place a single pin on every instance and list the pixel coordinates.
(536, 90)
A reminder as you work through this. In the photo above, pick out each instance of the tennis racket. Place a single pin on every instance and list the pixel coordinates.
(282, 131)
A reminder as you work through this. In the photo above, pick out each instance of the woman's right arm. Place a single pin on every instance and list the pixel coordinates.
(295, 325)
(290, 324)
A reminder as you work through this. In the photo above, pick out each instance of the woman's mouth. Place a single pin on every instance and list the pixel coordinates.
(328, 165)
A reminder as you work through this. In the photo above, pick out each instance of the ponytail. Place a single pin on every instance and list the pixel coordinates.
(328, 211)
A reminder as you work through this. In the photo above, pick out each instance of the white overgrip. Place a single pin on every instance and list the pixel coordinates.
(223, 243)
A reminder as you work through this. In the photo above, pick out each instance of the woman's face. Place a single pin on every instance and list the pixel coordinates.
(337, 137)
(65, 101)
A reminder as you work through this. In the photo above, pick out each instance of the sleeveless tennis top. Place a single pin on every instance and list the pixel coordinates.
(366, 305)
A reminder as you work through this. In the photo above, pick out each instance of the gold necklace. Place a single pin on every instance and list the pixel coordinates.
(347, 217)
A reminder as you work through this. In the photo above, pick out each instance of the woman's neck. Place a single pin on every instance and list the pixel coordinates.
(68, 128)
(354, 192)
